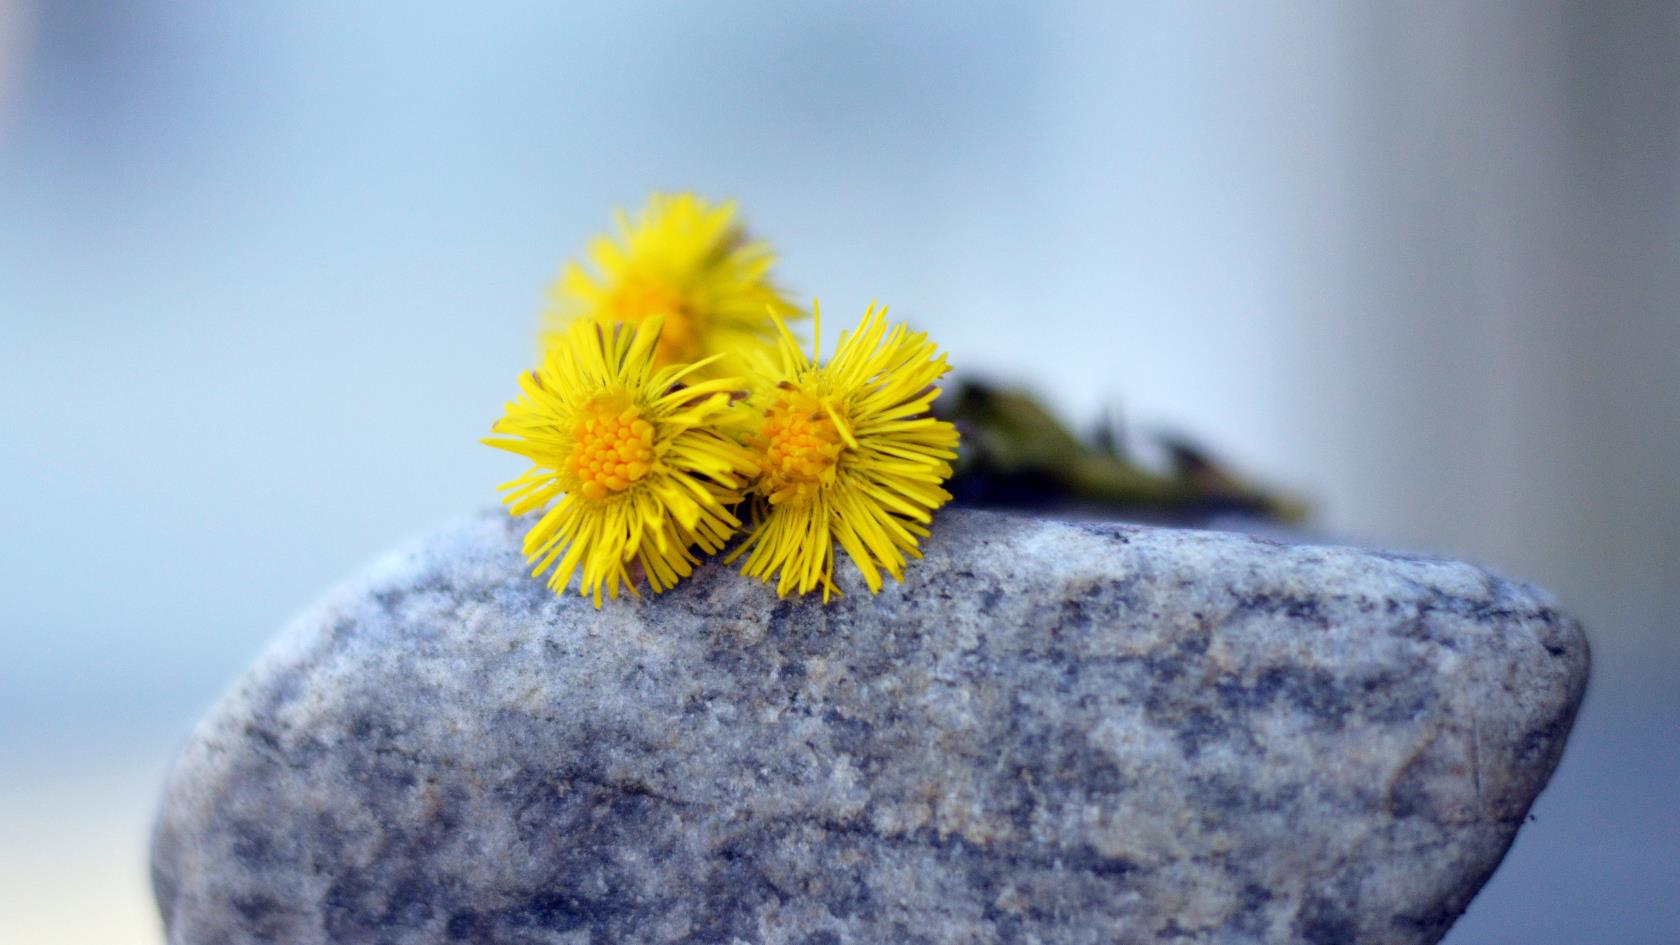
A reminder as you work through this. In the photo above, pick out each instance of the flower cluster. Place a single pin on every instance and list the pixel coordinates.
(673, 408)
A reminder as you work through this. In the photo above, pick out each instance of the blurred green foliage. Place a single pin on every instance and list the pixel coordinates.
(1016, 453)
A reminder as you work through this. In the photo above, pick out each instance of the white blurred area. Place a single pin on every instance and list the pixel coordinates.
(11, 52)
(266, 273)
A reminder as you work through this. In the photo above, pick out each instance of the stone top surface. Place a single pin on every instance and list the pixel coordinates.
(1051, 732)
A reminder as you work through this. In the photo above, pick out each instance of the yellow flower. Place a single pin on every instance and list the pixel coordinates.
(848, 454)
(639, 461)
(689, 261)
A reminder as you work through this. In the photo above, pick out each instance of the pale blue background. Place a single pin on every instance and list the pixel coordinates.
(268, 270)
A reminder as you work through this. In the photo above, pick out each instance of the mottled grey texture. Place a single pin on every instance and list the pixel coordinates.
(1052, 733)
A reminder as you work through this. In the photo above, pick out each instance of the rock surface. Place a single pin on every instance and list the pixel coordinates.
(1053, 733)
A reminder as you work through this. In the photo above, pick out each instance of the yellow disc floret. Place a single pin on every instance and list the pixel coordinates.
(640, 297)
(799, 447)
(612, 448)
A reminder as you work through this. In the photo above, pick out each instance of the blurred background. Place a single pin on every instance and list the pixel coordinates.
(267, 271)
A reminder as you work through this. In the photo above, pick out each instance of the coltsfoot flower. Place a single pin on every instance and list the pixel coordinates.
(847, 453)
(641, 463)
(689, 261)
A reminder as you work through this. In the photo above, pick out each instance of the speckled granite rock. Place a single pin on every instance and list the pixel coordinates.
(1053, 733)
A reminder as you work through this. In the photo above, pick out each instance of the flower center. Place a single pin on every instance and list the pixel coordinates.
(613, 447)
(636, 299)
(800, 445)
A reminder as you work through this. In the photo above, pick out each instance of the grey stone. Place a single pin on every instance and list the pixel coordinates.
(1052, 733)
